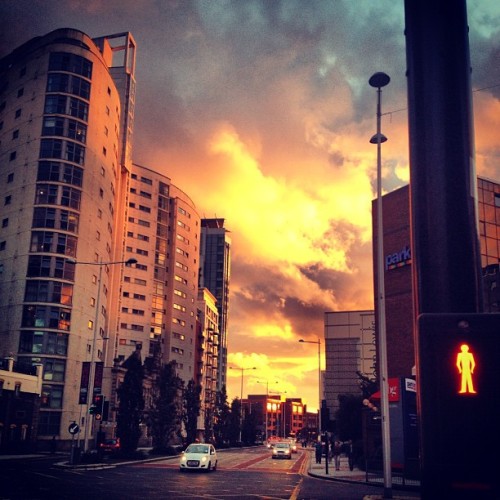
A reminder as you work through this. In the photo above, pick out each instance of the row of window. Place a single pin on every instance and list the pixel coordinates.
(60, 172)
(68, 84)
(45, 316)
(48, 266)
(55, 218)
(52, 242)
(65, 105)
(65, 150)
(38, 342)
(72, 63)
(64, 127)
(53, 194)
(54, 292)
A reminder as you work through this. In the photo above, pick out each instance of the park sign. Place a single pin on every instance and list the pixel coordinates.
(458, 359)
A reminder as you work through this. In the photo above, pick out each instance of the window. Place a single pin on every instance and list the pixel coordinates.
(18, 113)
(7, 200)
(51, 396)
(20, 92)
(53, 125)
(3, 245)
(58, 82)
(55, 104)
(5, 222)
(78, 108)
(10, 178)
(51, 148)
(15, 134)
(75, 153)
(49, 423)
(12, 156)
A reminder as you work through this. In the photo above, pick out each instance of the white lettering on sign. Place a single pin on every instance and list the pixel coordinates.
(398, 259)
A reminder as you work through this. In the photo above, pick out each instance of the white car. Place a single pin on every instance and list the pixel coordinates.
(282, 450)
(199, 456)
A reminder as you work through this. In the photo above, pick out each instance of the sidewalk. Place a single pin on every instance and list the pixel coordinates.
(356, 475)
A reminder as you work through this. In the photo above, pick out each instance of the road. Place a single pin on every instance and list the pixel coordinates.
(242, 474)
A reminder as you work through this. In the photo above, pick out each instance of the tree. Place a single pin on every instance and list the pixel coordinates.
(235, 421)
(165, 414)
(222, 415)
(349, 423)
(192, 406)
(367, 385)
(131, 404)
(249, 431)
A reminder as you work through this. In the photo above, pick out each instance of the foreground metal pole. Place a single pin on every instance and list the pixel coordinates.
(379, 80)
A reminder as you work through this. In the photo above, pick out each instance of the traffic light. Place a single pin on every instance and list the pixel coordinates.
(98, 403)
(458, 356)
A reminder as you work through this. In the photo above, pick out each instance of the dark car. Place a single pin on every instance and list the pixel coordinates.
(110, 446)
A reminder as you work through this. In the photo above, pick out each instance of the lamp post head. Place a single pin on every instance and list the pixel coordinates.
(378, 139)
(379, 80)
(130, 261)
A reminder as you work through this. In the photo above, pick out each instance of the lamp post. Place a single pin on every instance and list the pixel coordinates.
(241, 392)
(379, 80)
(90, 388)
(319, 380)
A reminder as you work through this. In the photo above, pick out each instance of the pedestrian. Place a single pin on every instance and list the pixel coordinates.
(319, 451)
(53, 445)
(337, 448)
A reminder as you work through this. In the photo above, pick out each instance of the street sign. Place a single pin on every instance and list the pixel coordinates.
(73, 428)
(458, 356)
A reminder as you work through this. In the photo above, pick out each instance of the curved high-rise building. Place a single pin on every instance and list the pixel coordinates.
(99, 256)
(63, 189)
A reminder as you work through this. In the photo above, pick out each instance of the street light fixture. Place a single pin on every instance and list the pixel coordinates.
(241, 392)
(319, 380)
(90, 388)
(379, 80)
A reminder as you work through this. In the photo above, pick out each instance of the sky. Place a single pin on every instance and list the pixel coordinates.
(260, 110)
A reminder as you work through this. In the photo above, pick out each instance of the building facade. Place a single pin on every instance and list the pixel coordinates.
(397, 269)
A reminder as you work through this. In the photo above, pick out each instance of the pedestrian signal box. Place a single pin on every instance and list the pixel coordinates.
(99, 406)
(458, 397)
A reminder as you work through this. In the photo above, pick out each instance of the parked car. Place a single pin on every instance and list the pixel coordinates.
(110, 446)
(282, 450)
(198, 456)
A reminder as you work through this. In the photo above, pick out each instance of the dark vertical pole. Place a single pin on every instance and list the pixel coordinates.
(446, 258)
(445, 245)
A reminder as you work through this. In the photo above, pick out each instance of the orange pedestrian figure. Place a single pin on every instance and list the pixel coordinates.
(466, 365)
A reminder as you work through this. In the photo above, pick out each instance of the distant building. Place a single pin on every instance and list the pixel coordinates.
(349, 348)
(206, 361)
(215, 274)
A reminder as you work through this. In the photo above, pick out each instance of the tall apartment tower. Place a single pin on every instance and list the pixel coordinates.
(158, 296)
(63, 185)
(215, 271)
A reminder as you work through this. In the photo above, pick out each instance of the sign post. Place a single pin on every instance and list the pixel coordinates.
(73, 429)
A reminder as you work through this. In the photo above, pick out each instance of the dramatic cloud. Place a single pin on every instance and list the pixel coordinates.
(261, 111)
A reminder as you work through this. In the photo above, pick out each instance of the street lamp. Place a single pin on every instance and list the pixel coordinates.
(90, 387)
(241, 392)
(319, 379)
(379, 80)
